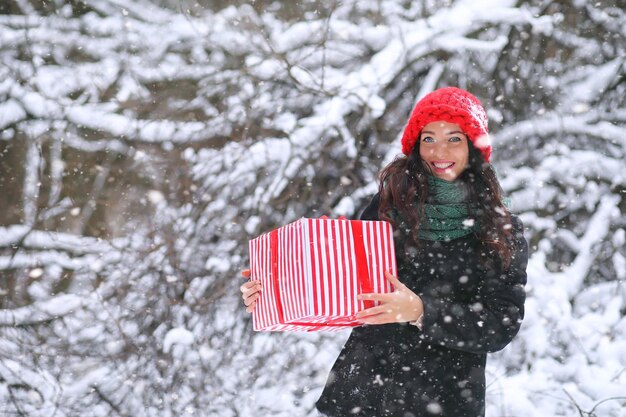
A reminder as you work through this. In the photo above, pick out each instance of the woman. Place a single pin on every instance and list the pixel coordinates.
(461, 273)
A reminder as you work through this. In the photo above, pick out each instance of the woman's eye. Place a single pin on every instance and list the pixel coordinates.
(455, 139)
(427, 139)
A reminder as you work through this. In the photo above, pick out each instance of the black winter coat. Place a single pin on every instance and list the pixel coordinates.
(399, 370)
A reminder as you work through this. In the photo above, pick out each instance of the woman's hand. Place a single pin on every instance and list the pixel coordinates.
(400, 306)
(250, 291)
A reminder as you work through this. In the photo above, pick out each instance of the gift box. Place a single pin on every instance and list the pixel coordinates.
(313, 269)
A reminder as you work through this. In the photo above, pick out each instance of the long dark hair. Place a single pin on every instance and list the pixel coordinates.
(404, 188)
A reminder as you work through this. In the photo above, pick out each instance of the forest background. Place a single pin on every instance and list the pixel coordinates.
(142, 143)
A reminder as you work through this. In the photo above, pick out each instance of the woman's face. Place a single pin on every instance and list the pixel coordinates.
(444, 149)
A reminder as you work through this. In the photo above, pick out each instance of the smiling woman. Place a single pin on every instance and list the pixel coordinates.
(459, 293)
(461, 273)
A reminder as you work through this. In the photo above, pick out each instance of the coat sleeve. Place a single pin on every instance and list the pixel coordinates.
(371, 211)
(493, 317)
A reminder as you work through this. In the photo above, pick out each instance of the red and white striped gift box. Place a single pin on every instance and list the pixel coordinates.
(313, 269)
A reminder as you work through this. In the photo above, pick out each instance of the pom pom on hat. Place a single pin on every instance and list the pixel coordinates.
(452, 105)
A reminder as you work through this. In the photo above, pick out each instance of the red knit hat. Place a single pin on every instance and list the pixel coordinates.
(452, 105)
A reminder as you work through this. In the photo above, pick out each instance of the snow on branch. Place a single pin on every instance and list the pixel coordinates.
(44, 258)
(94, 145)
(598, 78)
(11, 112)
(452, 43)
(571, 165)
(555, 123)
(572, 277)
(41, 311)
(38, 239)
(499, 14)
(138, 9)
(597, 230)
(32, 183)
(101, 119)
(151, 131)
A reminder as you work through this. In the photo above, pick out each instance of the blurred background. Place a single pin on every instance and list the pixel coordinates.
(143, 143)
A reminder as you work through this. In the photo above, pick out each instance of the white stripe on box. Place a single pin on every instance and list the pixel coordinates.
(298, 267)
(368, 251)
(354, 271)
(321, 267)
(272, 301)
(341, 259)
(304, 302)
(369, 248)
(389, 252)
(339, 302)
(316, 266)
(289, 255)
(325, 227)
(252, 275)
(308, 279)
(259, 275)
(283, 284)
(392, 252)
(266, 280)
(332, 283)
(297, 233)
(324, 250)
(291, 264)
(258, 311)
(385, 258)
(336, 249)
(346, 262)
(380, 263)
(278, 279)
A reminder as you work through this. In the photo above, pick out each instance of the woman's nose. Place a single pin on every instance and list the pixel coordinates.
(440, 150)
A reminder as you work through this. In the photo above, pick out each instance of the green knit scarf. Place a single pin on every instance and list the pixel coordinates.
(446, 209)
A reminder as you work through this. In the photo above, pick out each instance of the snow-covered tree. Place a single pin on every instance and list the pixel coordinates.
(143, 143)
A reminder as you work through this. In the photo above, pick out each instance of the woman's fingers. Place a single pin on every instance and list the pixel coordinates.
(373, 311)
(245, 286)
(249, 289)
(248, 286)
(252, 299)
(376, 297)
(251, 295)
(379, 319)
(394, 281)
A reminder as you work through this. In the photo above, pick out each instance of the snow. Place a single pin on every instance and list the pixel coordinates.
(119, 125)
(345, 207)
(597, 80)
(144, 144)
(452, 42)
(10, 113)
(177, 336)
(218, 265)
(41, 311)
(44, 240)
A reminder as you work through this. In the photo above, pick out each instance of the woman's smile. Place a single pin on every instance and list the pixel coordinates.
(442, 166)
